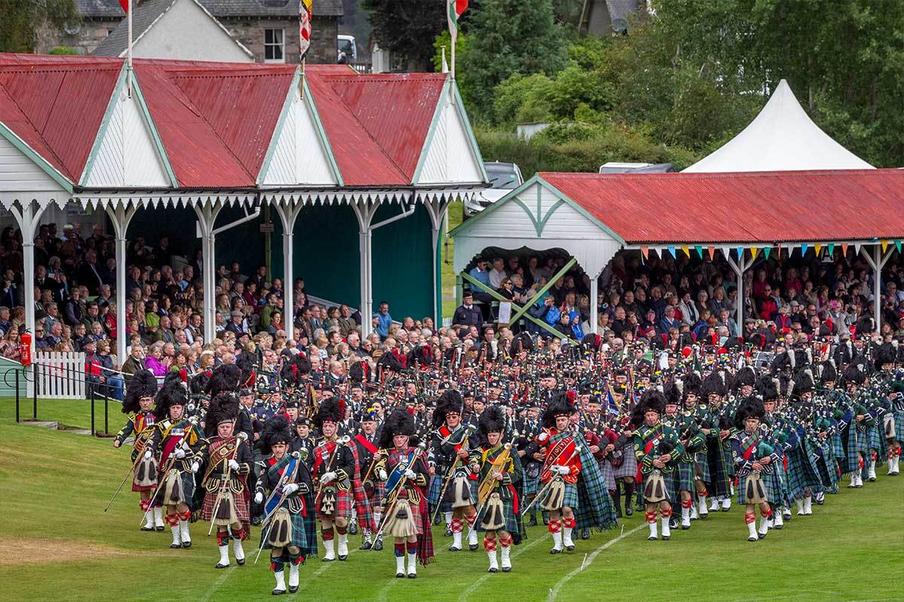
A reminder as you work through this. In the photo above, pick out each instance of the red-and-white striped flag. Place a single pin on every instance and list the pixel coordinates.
(306, 13)
(455, 8)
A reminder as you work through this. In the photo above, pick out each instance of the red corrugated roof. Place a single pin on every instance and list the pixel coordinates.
(400, 132)
(767, 207)
(361, 160)
(216, 120)
(242, 106)
(55, 106)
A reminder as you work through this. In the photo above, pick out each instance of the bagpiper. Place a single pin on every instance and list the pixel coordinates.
(404, 472)
(285, 489)
(174, 442)
(226, 459)
(499, 473)
(367, 453)
(333, 467)
(453, 488)
(657, 448)
(139, 401)
(753, 456)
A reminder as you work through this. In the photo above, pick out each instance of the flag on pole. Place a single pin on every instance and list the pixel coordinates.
(305, 15)
(455, 9)
(125, 5)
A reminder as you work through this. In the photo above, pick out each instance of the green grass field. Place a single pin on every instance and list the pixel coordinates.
(58, 543)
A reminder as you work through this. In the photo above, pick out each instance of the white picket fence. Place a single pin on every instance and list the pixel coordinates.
(61, 375)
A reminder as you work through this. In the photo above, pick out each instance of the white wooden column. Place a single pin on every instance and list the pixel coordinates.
(594, 307)
(365, 209)
(438, 212)
(121, 216)
(28, 214)
(288, 215)
(207, 216)
(739, 267)
(877, 262)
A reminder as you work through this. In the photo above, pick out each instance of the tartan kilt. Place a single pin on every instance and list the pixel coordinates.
(874, 438)
(608, 474)
(188, 491)
(772, 482)
(742, 489)
(684, 476)
(436, 487)
(628, 468)
(345, 505)
(363, 510)
(375, 496)
(530, 478)
(801, 474)
(853, 449)
(899, 425)
(446, 504)
(837, 446)
(241, 506)
(413, 507)
(299, 534)
(701, 466)
(671, 481)
(728, 461)
(719, 479)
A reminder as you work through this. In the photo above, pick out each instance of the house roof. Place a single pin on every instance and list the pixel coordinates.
(110, 9)
(144, 16)
(745, 208)
(216, 121)
(782, 137)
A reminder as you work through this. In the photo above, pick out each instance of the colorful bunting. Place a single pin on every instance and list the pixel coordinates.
(884, 245)
(803, 249)
(831, 249)
(712, 252)
(767, 251)
(672, 250)
(645, 251)
(844, 248)
(699, 249)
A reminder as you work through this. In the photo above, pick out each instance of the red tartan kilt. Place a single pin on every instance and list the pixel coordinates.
(147, 488)
(415, 513)
(345, 505)
(241, 506)
(376, 497)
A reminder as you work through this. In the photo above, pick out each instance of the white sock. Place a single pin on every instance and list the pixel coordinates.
(293, 575)
(280, 578)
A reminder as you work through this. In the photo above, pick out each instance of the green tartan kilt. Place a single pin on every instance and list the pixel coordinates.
(671, 482)
(508, 510)
(772, 481)
(728, 460)
(299, 535)
(702, 466)
(854, 448)
(684, 476)
(801, 474)
(742, 489)
(570, 499)
(875, 438)
(899, 425)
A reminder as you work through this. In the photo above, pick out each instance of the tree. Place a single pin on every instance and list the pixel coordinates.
(509, 37)
(20, 19)
(407, 28)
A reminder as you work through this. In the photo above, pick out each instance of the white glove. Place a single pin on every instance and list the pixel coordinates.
(233, 465)
(381, 474)
(410, 474)
(180, 453)
(147, 454)
(258, 497)
(562, 470)
(327, 477)
(195, 466)
(290, 489)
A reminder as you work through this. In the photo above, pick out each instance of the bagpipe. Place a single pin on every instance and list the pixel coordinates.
(396, 481)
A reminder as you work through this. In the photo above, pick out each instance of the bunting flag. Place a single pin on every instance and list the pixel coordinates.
(740, 253)
(898, 245)
(831, 249)
(699, 250)
(645, 251)
(686, 249)
(672, 251)
(454, 10)
(767, 251)
(305, 16)
(818, 248)
(884, 245)
(857, 248)
(803, 249)
(844, 248)
(712, 252)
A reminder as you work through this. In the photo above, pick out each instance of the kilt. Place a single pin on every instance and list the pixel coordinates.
(684, 476)
(702, 466)
(299, 534)
(530, 478)
(375, 495)
(671, 480)
(899, 425)
(436, 487)
(345, 505)
(874, 438)
(446, 504)
(742, 489)
(854, 437)
(241, 506)
(628, 468)
(188, 491)
(773, 483)
(801, 474)
(416, 516)
(719, 479)
(608, 474)
(509, 511)
(570, 499)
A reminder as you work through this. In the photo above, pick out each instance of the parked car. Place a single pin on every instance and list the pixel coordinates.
(503, 178)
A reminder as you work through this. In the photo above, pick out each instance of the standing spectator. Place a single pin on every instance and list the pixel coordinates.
(466, 314)
(382, 321)
(497, 274)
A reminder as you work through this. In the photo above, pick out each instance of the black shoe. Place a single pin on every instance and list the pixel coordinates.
(343, 558)
(448, 532)
(353, 528)
(293, 589)
(472, 547)
(454, 549)
(186, 544)
(256, 521)
(147, 528)
(378, 545)
(761, 535)
(412, 575)
(240, 562)
(629, 511)
(492, 570)
(506, 569)
(366, 545)
(175, 546)
(327, 559)
(569, 548)
(278, 592)
(666, 537)
(221, 566)
(673, 523)
(400, 575)
(585, 533)
(158, 528)
(555, 551)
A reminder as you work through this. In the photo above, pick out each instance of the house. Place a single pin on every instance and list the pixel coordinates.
(268, 29)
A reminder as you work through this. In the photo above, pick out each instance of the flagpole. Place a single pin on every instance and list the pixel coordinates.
(454, 34)
(129, 55)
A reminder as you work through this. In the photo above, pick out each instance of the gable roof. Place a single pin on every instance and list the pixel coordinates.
(782, 137)
(215, 121)
(746, 208)
(110, 9)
